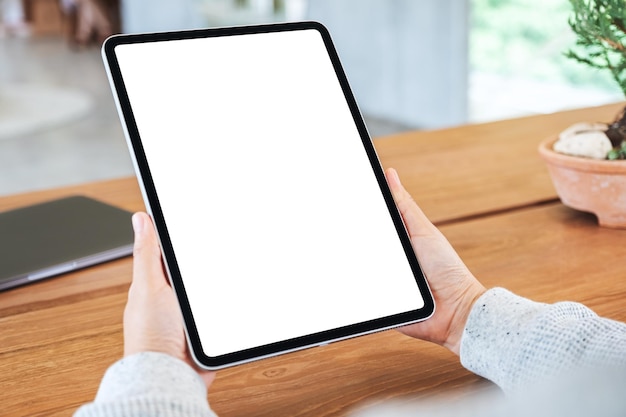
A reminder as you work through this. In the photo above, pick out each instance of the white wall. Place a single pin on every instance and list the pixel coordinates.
(161, 15)
(406, 60)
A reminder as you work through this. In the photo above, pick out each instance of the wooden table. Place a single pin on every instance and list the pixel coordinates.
(484, 185)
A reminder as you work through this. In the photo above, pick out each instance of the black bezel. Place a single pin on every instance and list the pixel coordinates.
(152, 200)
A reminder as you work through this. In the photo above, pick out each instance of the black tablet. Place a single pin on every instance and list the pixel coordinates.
(277, 227)
(57, 236)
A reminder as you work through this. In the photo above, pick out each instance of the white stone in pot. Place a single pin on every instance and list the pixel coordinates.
(584, 139)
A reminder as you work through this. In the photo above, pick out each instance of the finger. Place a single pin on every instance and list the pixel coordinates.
(414, 218)
(147, 265)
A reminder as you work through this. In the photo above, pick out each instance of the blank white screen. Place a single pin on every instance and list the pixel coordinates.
(274, 213)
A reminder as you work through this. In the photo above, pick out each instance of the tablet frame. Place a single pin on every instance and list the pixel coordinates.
(152, 201)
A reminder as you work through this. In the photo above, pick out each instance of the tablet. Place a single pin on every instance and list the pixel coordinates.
(57, 236)
(277, 227)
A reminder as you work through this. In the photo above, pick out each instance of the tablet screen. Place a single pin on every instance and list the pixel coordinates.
(277, 227)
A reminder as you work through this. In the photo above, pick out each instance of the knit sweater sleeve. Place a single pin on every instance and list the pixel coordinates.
(552, 359)
(149, 384)
(516, 342)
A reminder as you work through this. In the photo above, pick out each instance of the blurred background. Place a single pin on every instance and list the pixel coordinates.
(412, 64)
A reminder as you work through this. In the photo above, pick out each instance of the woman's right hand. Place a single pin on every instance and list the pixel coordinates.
(454, 287)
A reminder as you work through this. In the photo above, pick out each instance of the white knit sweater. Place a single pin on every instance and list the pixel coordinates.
(552, 359)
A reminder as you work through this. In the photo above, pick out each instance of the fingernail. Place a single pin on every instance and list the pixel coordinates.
(394, 176)
(137, 223)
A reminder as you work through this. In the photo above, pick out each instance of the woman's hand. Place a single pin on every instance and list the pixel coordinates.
(152, 318)
(453, 286)
(153, 321)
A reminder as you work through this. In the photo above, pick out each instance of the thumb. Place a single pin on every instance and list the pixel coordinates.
(147, 264)
(416, 222)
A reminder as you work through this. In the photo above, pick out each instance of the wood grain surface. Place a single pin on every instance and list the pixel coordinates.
(483, 168)
(58, 336)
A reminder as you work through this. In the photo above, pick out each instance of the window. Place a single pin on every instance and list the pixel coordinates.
(517, 62)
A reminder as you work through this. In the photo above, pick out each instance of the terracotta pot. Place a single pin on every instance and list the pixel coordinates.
(591, 185)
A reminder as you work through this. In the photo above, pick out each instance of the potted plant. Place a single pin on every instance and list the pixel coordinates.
(587, 161)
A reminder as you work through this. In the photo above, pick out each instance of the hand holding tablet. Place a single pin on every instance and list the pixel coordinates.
(269, 202)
